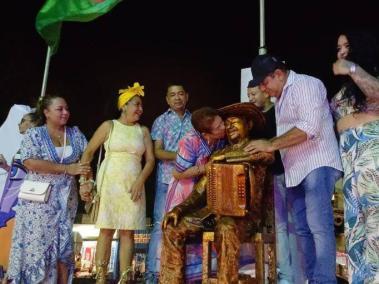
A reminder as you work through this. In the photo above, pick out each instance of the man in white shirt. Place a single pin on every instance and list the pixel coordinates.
(309, 151)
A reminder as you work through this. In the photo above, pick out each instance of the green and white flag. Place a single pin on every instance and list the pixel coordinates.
(54, 12)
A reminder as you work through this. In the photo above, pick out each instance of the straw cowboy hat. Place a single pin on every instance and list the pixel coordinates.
(246, 110)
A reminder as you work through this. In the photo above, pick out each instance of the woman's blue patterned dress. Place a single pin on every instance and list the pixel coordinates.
(42, 234)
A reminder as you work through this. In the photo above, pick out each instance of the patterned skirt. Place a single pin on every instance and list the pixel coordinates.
(359, 149)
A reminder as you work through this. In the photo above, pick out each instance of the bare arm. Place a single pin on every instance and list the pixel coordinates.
(149, 156)
(99, 137)
(48, 167)
(138, 185)
(290, 138)
(162, 154)
(366, 82)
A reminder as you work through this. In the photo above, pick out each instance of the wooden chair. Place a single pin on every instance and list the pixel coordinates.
(249, 187)
(264, 245)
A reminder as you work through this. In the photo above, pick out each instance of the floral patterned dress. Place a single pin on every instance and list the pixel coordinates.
(42, 235)
(359, 148)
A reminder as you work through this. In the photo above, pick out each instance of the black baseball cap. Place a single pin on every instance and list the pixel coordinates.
(262, 66)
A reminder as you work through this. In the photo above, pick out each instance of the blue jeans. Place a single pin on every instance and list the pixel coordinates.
(289, 257)
(312, 211)
(154, 254)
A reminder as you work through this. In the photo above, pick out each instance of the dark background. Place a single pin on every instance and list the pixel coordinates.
(200, 44)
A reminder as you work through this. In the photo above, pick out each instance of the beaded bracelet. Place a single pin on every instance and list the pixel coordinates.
(84, 181)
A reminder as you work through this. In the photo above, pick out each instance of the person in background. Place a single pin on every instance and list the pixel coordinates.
(121, 180)
(356, 111)
(16, 173)
(166, 132)
(28, 120)
(42, 246)
(309, 151)
(289, 260)
(260, 99)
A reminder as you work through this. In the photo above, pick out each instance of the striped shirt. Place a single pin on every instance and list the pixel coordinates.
(192, 150)
(303, 104)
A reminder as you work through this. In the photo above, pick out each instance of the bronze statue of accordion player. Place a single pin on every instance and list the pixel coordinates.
(230, 194)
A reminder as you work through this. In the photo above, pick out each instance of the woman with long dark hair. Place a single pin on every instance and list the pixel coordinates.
(356, 111)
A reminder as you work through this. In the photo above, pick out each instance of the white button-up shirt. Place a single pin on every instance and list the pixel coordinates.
(303, 104)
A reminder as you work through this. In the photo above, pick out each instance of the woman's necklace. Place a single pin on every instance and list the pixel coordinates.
(57, 138)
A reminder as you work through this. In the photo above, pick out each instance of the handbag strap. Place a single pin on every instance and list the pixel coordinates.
(64, 145)
(99, 160)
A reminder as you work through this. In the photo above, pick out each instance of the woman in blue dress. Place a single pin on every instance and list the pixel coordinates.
(42, 248)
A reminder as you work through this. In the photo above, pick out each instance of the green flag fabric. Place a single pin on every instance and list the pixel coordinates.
(54, 12)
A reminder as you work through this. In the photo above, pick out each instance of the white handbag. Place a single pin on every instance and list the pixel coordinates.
(35, 191)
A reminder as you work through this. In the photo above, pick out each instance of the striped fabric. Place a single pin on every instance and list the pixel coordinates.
(192, 150)
(304, 105)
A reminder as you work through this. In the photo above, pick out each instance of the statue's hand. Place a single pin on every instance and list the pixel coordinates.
(217, 157)
(172, 216)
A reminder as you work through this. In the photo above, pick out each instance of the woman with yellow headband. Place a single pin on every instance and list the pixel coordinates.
(120, 180)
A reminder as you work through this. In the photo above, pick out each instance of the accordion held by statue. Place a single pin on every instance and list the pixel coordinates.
(228, 189)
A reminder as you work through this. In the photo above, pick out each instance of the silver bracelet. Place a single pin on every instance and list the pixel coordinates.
(84, 181)
(352, 68)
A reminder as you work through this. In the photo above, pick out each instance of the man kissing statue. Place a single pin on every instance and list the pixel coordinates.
(231, 170)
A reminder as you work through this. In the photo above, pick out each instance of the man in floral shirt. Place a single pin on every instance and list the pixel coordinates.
(166, 132)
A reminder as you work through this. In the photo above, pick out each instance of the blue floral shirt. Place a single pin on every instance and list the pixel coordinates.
(169, 128)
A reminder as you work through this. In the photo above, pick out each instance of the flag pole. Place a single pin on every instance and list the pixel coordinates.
(46, 72)
(262, 31)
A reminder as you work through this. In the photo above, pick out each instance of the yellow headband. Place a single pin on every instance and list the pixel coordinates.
(130, 92)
